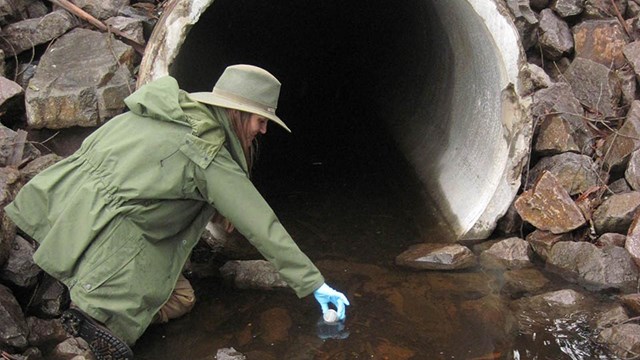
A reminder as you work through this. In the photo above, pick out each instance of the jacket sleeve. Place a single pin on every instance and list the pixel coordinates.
(231, 192)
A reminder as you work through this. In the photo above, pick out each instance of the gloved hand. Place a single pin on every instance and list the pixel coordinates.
(325, 295)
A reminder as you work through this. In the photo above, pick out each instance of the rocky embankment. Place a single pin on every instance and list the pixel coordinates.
(576, 215)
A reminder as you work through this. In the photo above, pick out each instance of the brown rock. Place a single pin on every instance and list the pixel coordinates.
(555, 38)
(601, 41)
(576, 173)
(619, 145)
(521, 281)
(632, 303)
(611, 239)
(511, 253)
(567, 8)
(603, 9)
(275, 324)
(596, 86)
(616, 213)
(542, 241)
(632, 241)
(548, 206)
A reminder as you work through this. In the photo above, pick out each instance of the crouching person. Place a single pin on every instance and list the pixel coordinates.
(117, 220)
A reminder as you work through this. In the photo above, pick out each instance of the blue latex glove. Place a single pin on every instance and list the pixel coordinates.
(325, 295)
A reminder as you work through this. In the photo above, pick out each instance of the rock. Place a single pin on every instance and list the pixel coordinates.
(555, 39)
(576, 173)
(542, 241)
(633, 10)
(619, 145)
(131, 28)
(14, 149)
(26, 34)
(619, 186)
(526, 22)
(8, 189)
(50, 299)
(608, 318)
(11, 99)
(612, 239)
(510, 222)
(601, 41)
(596, 86)
(628, 84)
(548, 206)
(45, 333)
(567, 8)
(533, 78)
(631, 53)
(632, 303)
(101, 9)
(229, 354)
(274, 325)
(36, 166)
(16, 10)
(522, 281)
(616, 213)
(538, 5)
(603, 9)
(230, 245)
(430, 256)
(252, 274)
(561, 125)
(14, 330)
(632, 241)
(632, 173)
(64, 94)
(20, 268)
(511, 253)
(623, 339)
(594, 268)
(72, 348)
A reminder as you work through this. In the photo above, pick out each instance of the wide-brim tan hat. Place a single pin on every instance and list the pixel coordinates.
(245, 88)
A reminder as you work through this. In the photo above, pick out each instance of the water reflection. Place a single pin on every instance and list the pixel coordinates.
(353, 229)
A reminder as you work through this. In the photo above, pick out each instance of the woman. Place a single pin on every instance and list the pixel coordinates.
(117, 220)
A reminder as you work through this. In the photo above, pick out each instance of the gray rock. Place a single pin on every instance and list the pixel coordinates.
(20, 268)
(632, 241)
(594, 268)
(631, 53)
(252, 274)
(603, 9)
(14, 149)
(616, 213)
(623, 340)
(50, 299)
(131, 28)
(601, 41)
(229, 354)
(230, 245)
(72, 348)
(11, 96)
(576, 173)
(538, 5)
(26, 34)
(101, 9)
(548, 206)
(510, 222)
(567, 8)
(429, 256)
(633, 10)
(619, 186)
(16, 10)
(555, 39)
(620, 144)
(14, 330)
(533, 78)
(611, 239)
(511, 253)
(64, 94)
(628, 84)
(526, 22)
(632, 173)
(8, 188)
(542, 241)
(596, 86)
(37, 165)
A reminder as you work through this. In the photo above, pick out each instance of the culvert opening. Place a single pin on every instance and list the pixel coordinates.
(369, 85)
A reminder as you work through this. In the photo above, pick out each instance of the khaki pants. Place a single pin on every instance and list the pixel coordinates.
(181, 302)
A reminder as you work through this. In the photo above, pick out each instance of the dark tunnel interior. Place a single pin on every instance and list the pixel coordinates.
(342, 66)
(348, 69)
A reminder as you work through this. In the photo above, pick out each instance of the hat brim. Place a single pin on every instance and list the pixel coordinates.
(212, 99)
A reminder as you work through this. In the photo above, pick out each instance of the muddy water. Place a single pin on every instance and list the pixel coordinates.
(352, 221)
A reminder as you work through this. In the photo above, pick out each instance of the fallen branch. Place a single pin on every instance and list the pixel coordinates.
(69, 6)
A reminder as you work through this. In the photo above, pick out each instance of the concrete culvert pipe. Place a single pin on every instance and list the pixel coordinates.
(440, 77)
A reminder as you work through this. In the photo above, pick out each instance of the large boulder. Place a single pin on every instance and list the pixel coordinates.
(64, 94)
(26, 34)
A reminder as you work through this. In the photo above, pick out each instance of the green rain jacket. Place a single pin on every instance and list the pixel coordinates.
(117, 220)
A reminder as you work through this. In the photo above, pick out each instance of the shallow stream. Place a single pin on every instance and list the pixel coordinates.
(352, 220)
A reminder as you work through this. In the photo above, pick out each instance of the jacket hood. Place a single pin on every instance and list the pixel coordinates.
(158, 99)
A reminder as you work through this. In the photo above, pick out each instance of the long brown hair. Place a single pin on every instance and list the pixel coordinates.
(240, 123)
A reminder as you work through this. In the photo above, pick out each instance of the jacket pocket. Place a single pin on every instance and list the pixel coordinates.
(112, 253)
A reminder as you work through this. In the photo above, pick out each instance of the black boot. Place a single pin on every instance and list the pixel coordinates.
(103, 344)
